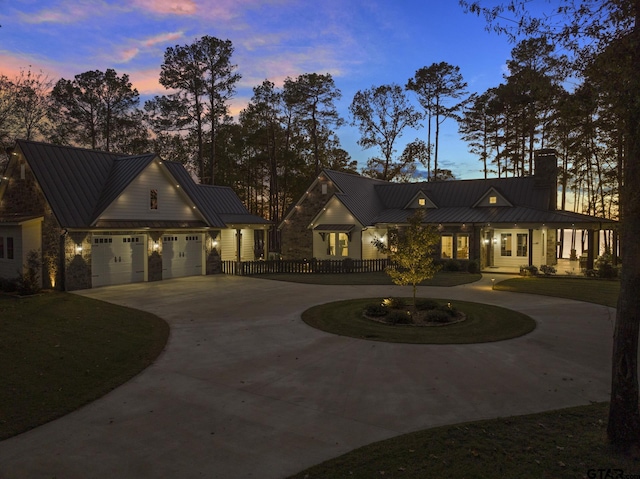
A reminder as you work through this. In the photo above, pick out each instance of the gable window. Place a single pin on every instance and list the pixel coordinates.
(1, 247)
(447, 246)
(337, 244)
(462, 246)
(493, 200)
(505, 244)
(422, 202)
(522, 245)
(324, 188)
(9, 247)
(153, 199)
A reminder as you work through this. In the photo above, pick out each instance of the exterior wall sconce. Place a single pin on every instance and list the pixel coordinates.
(214, 244)
(155, 246)
(78, 248)
(495, 240)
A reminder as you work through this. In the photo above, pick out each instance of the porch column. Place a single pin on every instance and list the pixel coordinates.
(592, 244)
(530, 243)
(238, 245)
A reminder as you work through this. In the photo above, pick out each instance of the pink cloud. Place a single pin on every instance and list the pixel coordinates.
(162, 38)
(67, 12)
(168, 7)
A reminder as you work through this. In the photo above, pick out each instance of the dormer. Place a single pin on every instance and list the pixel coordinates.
(420, 200)
(492, 198)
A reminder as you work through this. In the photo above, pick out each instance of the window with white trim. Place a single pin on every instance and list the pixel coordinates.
(337, 244)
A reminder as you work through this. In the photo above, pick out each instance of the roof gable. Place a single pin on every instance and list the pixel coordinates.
(420, 200)
(492, 198)
(138, 179)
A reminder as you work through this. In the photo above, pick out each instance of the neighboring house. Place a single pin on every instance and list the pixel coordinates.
(100, 218)
(501, 222)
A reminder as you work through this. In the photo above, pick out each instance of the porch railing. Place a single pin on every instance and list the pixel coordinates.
(321, 266)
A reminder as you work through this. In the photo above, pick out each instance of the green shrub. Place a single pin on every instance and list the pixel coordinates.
(528, 270)
(426, 304)
(437, 316)
(450, 310)
(28, 282)
(375, 310)
(398, 316)
(547, 270)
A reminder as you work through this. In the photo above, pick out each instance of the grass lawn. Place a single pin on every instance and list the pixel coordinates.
(564, 443)
(484, 323)
(442, 278)
(582, 289)
(59, 351)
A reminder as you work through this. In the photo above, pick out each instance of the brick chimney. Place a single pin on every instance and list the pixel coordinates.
(546, 173)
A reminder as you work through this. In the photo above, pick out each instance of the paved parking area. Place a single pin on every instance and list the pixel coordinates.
(245, 389)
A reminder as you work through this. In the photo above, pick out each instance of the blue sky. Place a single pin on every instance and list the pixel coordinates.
(361, 43)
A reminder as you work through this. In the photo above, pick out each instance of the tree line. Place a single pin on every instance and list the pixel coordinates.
(285, 136)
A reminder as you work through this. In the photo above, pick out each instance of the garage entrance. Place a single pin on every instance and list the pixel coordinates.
(117, 259)
(181, 255)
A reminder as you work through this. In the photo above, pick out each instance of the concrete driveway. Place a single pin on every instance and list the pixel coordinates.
(245, 389)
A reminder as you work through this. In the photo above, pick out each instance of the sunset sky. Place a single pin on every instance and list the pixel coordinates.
(361, 43)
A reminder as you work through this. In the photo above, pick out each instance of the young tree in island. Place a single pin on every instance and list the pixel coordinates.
(604, 36)
(381, 114)
(410, 251)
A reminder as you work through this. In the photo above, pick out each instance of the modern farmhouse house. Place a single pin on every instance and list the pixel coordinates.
(98, 218)
(501, 222)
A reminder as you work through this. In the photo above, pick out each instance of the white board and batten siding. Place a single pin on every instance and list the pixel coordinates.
(228, 245)
(25, 238)
(134, 202)
(368, 250)
(539, 247)
(336, 213)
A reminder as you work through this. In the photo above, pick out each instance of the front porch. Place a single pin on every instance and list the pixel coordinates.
(565, 267)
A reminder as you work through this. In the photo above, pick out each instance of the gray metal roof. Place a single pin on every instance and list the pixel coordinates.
(218, 204)
(79, 184)
(159, 224)
(358, 194)
(375, 201)
(72, 179)
(334, 227)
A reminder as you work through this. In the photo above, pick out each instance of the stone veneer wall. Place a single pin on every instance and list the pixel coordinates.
(22, 196)
(551, 246)
(212, 253)
(77, 265)
(296, 237)
(154, 256)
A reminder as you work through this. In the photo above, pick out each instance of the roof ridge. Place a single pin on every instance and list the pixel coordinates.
(67, 147)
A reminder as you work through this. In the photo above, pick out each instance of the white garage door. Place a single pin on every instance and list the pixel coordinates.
(117, 259)
(181, 255)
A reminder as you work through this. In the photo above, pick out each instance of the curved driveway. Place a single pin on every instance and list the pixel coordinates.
(245, 389)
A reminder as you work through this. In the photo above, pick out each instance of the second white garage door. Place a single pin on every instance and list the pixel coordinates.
(181, 255)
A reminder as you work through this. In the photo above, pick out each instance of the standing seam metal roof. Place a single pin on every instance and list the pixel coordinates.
(79, 184)
(375, 201)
